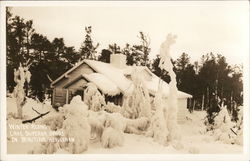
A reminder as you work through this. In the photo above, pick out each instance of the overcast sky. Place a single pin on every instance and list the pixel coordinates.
(202, 27)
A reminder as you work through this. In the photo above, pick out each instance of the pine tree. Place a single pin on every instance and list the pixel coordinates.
(88, 49)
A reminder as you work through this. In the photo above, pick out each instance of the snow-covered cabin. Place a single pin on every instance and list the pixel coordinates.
(112, 79)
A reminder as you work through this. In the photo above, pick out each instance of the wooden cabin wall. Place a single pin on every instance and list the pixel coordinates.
(64, 96)
(78, 85)
(82, 69)
(182, 110)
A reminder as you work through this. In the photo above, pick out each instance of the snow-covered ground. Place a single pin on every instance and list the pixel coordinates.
(194, 138)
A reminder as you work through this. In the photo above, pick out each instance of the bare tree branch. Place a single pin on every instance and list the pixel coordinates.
(36, 111)
(34, 119)
(49, 78)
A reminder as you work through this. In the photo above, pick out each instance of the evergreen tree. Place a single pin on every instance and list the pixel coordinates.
(129, 55)
(144, 48)
(159, 72)
(138, 54)
(88, 49)
(18, 34)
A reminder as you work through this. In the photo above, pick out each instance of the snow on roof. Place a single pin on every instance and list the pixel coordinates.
(112, 80)
(112, 73)
(103, 83)
(129, 69)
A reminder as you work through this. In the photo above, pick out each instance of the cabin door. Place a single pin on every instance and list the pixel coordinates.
(60, 97)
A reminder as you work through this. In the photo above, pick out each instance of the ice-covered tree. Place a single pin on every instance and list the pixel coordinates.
(88, 49)
(170, 110)
(222, 126)
(158, 127)
(137, 104)
(93, 98)
(21, 75)
(73, 122)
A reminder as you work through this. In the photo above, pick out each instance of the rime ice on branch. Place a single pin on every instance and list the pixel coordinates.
(222, 126)
(21, 75)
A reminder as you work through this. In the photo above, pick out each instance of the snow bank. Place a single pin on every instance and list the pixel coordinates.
(111, 138)
(29, 108)
(137, 126)
(194, 141)
(96, 121)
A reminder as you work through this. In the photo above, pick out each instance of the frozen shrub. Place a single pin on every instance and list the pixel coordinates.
(79, 130)
(222, 126)
(112, 108)
(137, 104)
(116, 121)
(113, 132)
(111, 138)
(72, 120)
(96, 121)
(54, 121)
(93, 98)
(137, 126)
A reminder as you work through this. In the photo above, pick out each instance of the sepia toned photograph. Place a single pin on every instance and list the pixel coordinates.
(125, 78)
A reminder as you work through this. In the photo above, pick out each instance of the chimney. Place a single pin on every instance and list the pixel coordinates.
(118, 60)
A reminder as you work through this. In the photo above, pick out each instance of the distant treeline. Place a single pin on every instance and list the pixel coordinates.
(210, 76)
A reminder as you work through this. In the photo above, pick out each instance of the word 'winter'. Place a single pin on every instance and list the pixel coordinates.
(27, 126)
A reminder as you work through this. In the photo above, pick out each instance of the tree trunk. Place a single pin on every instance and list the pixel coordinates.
(194, 105)
(207, 97)
(19, 111)
(202, 103)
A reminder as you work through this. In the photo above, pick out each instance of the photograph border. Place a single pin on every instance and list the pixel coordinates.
(5, 156)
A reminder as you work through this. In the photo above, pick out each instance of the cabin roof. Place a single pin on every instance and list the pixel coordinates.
(103, 83)
(112, 80)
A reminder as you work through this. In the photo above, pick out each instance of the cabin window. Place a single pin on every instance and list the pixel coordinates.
(117, 100)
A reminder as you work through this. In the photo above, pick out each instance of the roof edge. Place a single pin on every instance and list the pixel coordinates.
(66, 73)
